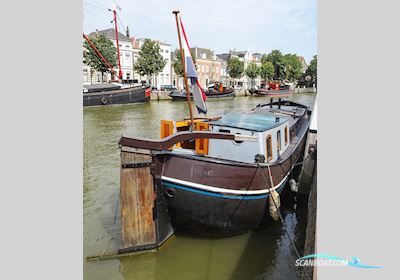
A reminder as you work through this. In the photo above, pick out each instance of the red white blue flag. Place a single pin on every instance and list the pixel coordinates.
(199, 96)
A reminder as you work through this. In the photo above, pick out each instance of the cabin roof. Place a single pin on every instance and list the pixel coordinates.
(253, 122)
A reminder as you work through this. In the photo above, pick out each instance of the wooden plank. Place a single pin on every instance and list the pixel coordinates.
(137, 202)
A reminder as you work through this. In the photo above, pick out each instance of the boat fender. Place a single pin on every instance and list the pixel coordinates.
(170, 192)
(274, 204)
(293, 185)
(104, 101)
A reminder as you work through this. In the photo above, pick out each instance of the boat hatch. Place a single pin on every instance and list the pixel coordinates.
(252, 122)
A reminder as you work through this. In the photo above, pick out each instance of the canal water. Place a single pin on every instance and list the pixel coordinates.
(261, 254)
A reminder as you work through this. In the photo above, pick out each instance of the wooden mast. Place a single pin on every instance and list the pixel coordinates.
(184, 70)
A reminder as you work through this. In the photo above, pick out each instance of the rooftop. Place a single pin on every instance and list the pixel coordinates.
(199, 52)
(253, 122)
(110, 33)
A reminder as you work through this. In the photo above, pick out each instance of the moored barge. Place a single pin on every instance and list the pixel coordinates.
(215, 177)
(110, 94)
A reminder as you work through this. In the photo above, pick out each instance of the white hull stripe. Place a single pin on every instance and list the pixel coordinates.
(221, 190)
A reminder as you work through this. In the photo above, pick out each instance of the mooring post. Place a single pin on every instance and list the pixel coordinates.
(144, 221)
(309, 244)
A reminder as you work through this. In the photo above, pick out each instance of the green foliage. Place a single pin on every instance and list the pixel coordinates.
(286, 66)
(105, 47)
(235, 68)
(312, 69)
(276, 58)
(267, 70)
(177, 62)
(292, 66)
(252, 70)
(150, 60)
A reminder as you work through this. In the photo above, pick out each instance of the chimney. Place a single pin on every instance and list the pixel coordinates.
(127, 31)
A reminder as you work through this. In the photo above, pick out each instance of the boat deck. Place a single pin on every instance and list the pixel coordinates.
(293, 113)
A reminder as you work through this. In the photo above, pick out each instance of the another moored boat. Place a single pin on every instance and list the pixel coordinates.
(216, 90)
(274, 89)
(215, 178)
(110, 94)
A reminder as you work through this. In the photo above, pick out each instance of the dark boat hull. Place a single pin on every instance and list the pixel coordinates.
(177, 96)
(274, 93)
(208, 215)
(121, 96)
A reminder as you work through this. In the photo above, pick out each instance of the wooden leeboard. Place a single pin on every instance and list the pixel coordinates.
(137, 202)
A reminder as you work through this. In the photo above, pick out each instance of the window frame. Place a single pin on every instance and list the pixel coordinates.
(268, 152)
(286, 135)
(278, 141)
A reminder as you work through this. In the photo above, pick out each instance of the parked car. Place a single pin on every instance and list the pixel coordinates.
(168, 88)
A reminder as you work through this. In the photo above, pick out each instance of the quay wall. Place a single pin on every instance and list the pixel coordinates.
(163, 95)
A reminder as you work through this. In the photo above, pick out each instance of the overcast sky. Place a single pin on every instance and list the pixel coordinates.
(221, 25)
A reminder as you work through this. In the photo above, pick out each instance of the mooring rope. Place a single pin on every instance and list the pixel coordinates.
(277, 208)
(113, 229)
(247, 189)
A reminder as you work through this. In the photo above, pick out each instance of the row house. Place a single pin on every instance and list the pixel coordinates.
(165, 76)
(224, 76)
(129, 53)
(304, 64)
(126, 58)
(208, 66)
(246, 57)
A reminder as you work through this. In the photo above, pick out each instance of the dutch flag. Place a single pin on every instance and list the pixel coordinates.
(198, 94)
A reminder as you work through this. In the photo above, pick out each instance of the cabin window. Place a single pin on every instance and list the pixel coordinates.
(269, 147)
(286, 135)
(278, 140)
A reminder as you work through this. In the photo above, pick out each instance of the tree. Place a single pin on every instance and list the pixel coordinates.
(276, 58)
(177, 64)
(312, 69)
(292, 66)
(150, 61)
(267, 70)
(107, 50)
(252, 72)
(235, 68)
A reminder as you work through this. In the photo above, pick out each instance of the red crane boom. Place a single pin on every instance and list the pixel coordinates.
(99, 54)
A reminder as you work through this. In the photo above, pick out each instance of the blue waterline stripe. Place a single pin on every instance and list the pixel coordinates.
(252, 197)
